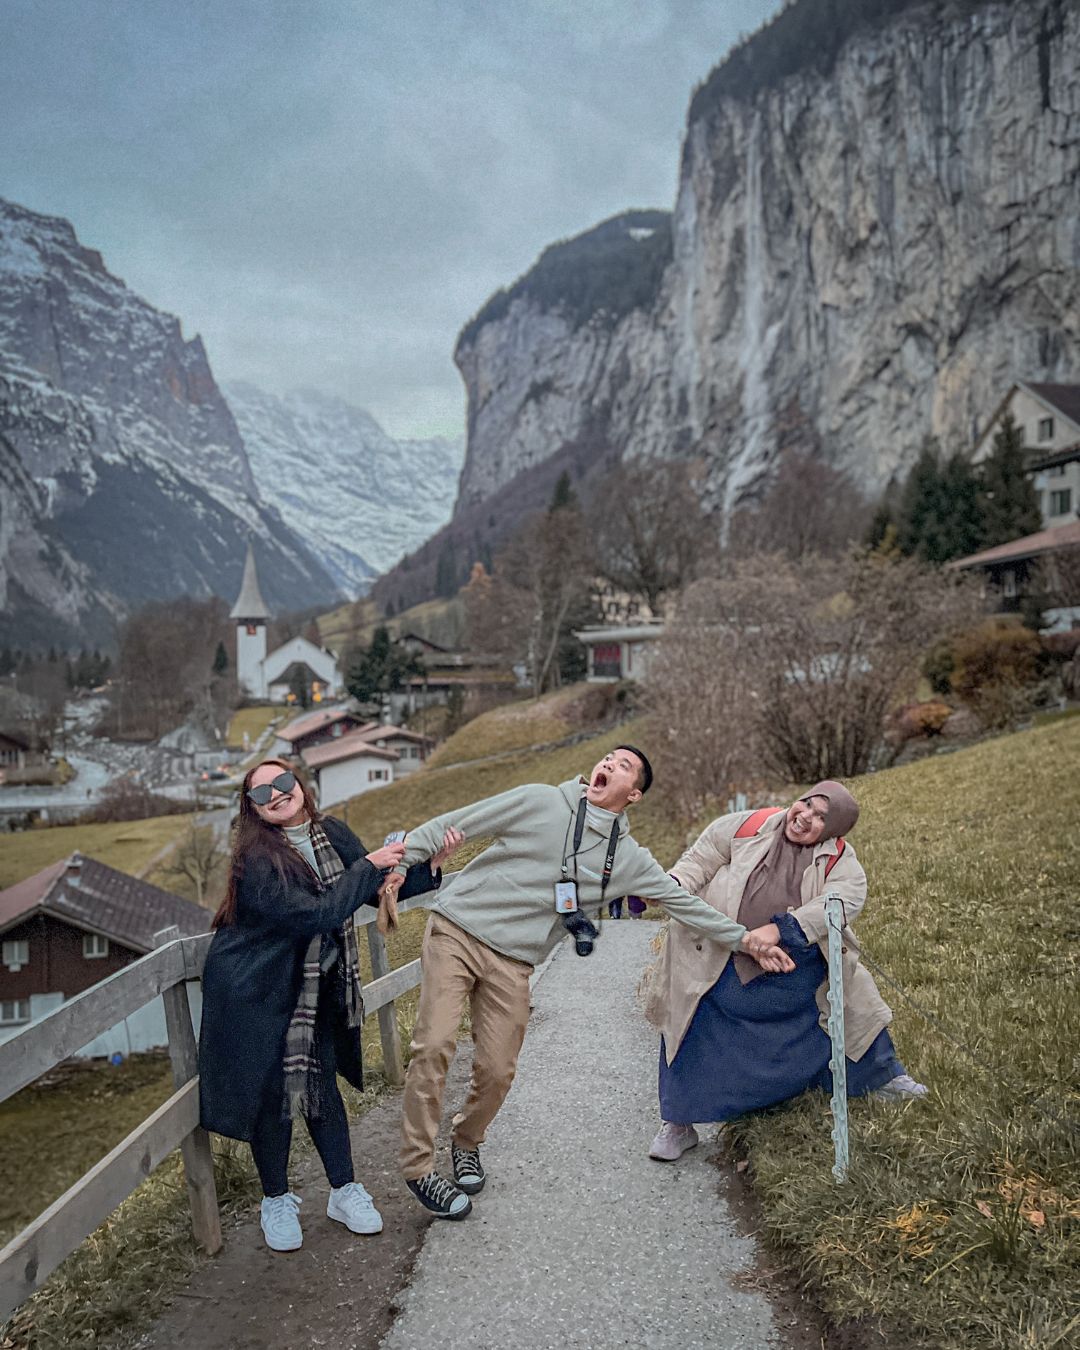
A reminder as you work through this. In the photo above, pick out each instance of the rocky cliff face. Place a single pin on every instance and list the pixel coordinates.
(357, 497)
(859, 259)
(124, 475)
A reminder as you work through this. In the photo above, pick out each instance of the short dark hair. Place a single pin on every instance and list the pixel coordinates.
(645, 776)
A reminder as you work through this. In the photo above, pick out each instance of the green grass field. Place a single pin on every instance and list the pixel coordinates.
(127, 844)
(254, 721)
(961, 1221)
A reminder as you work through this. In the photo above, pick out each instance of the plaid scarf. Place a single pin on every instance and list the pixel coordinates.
(303, 1075)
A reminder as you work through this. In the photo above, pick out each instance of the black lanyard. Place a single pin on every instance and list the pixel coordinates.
(613, 844)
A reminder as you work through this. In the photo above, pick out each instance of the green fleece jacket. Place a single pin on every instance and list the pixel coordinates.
(505, 897)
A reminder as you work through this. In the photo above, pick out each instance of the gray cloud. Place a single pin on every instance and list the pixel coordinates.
(327, 191)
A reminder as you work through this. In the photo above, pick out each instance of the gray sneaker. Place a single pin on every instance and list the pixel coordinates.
(673, 1141)
(903, 1085)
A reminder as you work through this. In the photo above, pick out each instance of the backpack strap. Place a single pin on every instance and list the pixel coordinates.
(841, 844)
(755, 820)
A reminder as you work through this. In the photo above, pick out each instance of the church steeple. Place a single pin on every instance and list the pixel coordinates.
(251, 614)
(249, 603)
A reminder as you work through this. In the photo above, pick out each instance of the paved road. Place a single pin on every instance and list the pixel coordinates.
(579, 1240)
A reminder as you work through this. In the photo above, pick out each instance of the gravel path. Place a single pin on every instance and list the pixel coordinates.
(579, 1240)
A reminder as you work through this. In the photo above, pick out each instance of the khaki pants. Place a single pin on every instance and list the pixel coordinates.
(454, 967)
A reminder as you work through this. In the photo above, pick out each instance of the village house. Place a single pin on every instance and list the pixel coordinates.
(1048, 416)
(296, 665)
(345, 768)
(470, 673)
(72, 925)
(317, 728)
(372, 756)
(17, 752)
(1045, 562)
(618, 651)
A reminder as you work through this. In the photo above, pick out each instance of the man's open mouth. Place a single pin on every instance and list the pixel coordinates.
(600, 779)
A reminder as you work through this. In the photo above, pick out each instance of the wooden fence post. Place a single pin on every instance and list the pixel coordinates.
(393, 1066)
(195, 1149)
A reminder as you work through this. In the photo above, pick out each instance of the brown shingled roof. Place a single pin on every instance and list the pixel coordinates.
(1030, 546)
(101, 899)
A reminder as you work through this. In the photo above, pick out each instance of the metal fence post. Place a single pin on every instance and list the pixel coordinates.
(195, 1148)
(393, 1065)
(834, 914)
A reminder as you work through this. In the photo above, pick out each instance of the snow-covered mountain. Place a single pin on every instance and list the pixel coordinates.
(123, 477)
(357, 498)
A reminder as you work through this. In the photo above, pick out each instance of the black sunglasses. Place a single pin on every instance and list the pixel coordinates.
(284, 782)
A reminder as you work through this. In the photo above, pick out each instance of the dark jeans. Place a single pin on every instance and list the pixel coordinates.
(614, 908)
(329, 1130)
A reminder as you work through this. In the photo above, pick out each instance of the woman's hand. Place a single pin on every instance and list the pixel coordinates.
(452, 841)
(387, 856)
(765, 952)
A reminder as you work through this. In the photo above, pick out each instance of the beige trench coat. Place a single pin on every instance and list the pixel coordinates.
(717, 867)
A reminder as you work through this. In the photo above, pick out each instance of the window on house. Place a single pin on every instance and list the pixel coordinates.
(94, 946)
(1008, 583)
(1046, 428)
(16, 954)
(1061, 502)
(14, 1011)
(376, 775)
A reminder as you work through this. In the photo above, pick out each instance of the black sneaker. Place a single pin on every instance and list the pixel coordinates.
(468, 1170)
(442, 1197)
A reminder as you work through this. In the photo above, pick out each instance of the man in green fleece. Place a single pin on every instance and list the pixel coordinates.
(555, 850)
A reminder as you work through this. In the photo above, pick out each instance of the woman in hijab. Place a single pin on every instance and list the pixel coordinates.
(282, 1001)
(735, 1039)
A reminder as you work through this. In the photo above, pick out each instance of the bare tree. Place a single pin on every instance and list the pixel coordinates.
(197, 858)
(539, 591)
(810, 507)
(651, 527)
(810, 658)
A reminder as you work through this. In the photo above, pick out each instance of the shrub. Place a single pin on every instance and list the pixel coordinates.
(938, 665)
(125, 799)
(921, 719)
(996, 670)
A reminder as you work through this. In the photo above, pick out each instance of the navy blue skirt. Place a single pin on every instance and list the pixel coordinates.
(758, 1044)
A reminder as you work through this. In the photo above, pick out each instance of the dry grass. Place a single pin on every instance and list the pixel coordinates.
(961, 1221)
(127, 845)
(254, 721)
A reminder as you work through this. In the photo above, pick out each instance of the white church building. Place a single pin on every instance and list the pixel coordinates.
(273, 677)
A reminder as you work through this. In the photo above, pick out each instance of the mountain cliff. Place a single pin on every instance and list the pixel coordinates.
(877, 229)
(124, 475)
(357, 497)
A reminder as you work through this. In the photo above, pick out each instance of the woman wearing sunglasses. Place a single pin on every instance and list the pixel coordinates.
(281, 991)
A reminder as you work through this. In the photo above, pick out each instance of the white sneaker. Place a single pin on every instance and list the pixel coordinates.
(903, 1085)
(280, 1219)
(351, 1205)
(672, 1142)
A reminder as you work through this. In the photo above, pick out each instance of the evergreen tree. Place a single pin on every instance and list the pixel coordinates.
(1008, 504)
(382, 668)
(564, 495)
(446, 572)
(221, 660)
(939, 516)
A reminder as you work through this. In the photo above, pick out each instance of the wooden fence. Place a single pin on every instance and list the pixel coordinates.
(30, 1257)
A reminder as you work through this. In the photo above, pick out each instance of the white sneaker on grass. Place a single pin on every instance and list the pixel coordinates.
(903, 1085)
(353, 1206)
(279, 1216)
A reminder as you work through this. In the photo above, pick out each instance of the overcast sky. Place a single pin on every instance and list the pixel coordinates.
(327, 190)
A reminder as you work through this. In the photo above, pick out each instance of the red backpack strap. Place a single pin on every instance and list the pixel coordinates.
(840, 846)
(755, 820)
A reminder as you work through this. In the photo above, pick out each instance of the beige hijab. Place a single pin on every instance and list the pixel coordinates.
(775, 884)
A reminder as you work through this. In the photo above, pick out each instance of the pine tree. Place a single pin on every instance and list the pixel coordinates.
(221, 660)
(919, 502)
(564, 495)
(1008, 504)
(939, 514)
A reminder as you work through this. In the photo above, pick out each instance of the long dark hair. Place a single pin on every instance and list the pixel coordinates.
(253, 837)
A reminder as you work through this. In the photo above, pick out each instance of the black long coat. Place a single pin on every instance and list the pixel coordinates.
(254, 970)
